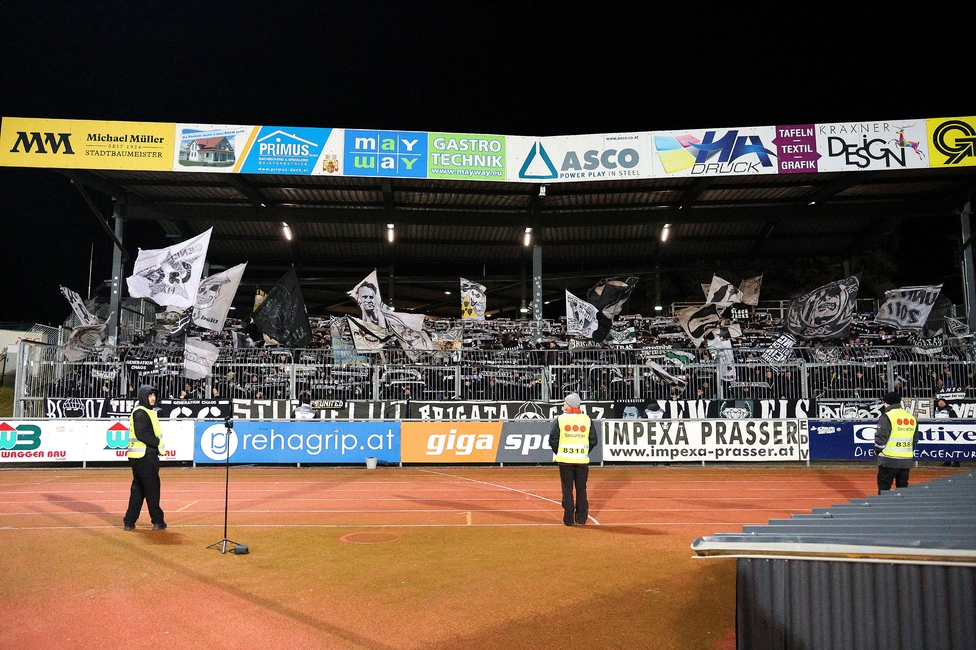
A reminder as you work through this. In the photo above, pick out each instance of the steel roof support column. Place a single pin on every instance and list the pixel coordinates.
(969, 288)
(115, 300)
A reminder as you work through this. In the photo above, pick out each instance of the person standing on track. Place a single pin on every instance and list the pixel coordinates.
(894, 443)
(572, 438)
(145, 448)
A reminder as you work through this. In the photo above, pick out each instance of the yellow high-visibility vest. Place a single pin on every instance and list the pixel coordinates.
(137, 448)
(901, 442)
(574, 439)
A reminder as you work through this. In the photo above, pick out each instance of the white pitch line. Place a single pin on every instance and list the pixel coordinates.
(504, 487)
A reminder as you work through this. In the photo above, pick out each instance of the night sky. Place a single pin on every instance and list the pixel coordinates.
(514, 68)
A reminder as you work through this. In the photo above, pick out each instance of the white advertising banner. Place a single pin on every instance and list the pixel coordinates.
(862, 146)
(715, 152)
(610, 156)
(35, 441)
(667, 441)
(210, 147)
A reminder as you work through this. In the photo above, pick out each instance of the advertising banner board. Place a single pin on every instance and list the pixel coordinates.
(34, 441)
(297, 442)
(940, 441)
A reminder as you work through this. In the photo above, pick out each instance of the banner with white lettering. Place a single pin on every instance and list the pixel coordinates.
(663, 441)
(828, 409)
(908, 307)
(738, 409)
(495, 411)
(854, 440)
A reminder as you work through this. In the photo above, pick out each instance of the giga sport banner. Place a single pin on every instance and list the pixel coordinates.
(660, 441)
(34, 441)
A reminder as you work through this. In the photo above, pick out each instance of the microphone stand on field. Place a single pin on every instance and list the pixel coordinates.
(229, 427)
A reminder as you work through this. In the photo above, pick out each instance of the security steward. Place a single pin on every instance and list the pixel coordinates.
(572, 438)
(894, 443)
(145, 448)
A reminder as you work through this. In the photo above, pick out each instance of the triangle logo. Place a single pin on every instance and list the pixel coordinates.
(543, 170)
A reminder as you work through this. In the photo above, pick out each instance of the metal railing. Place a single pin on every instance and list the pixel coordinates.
(841, 373)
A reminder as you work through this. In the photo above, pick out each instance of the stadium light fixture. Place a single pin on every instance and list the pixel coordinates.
(389, 232)
(527, 239)
(665, 232)
(658, 308)
(286, 230)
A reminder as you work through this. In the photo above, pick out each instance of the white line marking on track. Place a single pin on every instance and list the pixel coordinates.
(503, 487)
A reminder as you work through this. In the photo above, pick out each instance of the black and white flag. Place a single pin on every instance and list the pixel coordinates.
(85, 340)
(908, 308)
(825, 312)
(698, 322)
(750, 290)
(282, 315)
(957, 328)
(580, 316)
(170, 276)
(198, 358)
(215, 296)
(473, 301)
(85, 317)
(722, 293)
(367, 295)
(609, 296)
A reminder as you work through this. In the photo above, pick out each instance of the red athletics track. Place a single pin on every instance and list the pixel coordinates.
(415, 557)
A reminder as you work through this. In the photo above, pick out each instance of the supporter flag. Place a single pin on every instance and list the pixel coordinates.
(957, 328)
(661, 373)
(282, 315)
(721, 347)
(215, 296)
(367, 295)
(722, 293)
(750, 290)
(198, 358)
(259, 297)
(174, 322)
(680, 358)
(609, 296)
(697, 322)
(908, 308)
(580, 316)
(366, 336)
(473, 301)
(825, 312)
(85, 340)
(170, 276)
(85, 317)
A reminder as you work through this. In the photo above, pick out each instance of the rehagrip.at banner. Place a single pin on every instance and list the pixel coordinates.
(297, 442)
(705, 440)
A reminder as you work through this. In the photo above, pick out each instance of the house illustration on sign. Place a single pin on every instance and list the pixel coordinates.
(207, 151)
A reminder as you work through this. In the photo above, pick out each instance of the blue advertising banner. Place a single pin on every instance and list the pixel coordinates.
(940, 441)
(297, 442)
(285, 150)
(401, 154)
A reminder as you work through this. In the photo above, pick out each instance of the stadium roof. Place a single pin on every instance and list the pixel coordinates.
(445, 229)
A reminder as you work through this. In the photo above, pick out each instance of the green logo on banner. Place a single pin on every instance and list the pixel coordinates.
(24, 438)
(461, 156)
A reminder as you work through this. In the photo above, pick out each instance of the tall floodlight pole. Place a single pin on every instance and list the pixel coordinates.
(115, 299)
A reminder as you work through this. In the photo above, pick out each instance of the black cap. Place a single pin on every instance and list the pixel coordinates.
(892, 398)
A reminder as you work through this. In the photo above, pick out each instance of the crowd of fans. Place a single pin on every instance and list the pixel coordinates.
(500, 360)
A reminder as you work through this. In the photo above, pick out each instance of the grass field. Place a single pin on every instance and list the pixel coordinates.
(415, 557)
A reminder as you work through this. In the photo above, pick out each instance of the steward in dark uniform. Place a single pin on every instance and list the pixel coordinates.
(145, 448)
(572, 438)
(894, 443)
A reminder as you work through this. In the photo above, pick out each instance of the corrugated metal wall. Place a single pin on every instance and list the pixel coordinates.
(839, 605)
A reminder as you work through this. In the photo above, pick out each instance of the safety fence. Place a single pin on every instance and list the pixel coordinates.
(308, 375)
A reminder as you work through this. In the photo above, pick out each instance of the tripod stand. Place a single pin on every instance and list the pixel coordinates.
(229, 429)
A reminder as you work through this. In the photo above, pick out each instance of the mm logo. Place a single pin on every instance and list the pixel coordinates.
(35, 142)
(117, 437)
(23, 438)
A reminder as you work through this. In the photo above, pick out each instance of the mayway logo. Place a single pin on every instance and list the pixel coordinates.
(34, 142)
(217, 444)
(24, 437)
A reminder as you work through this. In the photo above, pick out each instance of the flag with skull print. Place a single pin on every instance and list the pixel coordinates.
(170, 276)
(214, 297)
